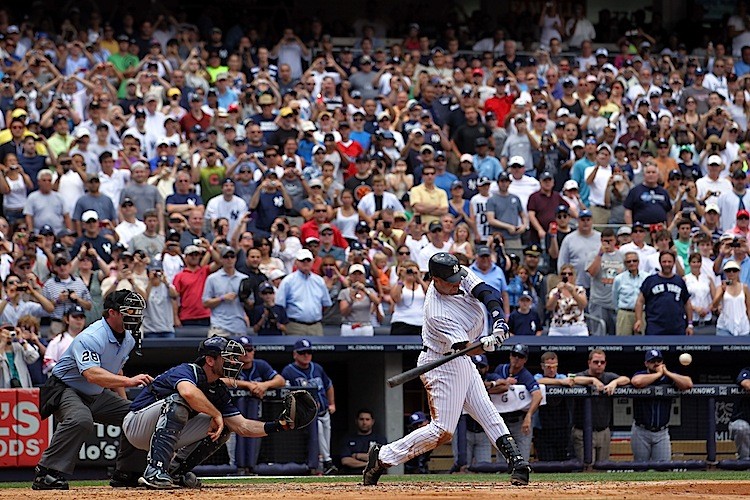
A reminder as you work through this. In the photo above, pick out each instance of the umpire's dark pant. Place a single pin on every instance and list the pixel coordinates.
(75, 417)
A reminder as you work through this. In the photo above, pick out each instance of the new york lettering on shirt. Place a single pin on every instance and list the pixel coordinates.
(667, 287)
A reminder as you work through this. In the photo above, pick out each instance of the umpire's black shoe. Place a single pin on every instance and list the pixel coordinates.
(48, 479)
(374, 468)
(122, 479)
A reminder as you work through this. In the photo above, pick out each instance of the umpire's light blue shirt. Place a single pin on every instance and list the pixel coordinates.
(229, 314)
(303, 296)
(96, 346)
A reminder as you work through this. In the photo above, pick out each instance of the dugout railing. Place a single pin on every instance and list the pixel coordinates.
(699, 442)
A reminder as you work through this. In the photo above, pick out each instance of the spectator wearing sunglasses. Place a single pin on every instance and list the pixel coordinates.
(567, 301)
(625, 290)
(305, 296)
(601, 407)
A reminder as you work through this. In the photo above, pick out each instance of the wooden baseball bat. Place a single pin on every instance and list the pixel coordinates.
(419, 370)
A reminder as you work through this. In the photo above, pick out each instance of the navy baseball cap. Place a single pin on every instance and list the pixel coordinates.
(418, 417)
(46, 230)
(302, 345)
(563, 209)
(653, 354)
(446, 267)
(521, 350)
(480, 360)
(245, 341)
(483, 250)
(525, 295)
(584, 213)
(75, 311)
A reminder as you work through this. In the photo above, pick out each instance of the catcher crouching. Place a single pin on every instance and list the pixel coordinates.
(187, 413)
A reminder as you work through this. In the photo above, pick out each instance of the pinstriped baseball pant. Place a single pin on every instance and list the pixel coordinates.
(451, 388)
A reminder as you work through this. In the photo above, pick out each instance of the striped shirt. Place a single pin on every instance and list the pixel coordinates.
(54, 286)
(452, 318)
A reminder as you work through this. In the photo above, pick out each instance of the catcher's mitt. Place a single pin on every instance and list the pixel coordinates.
(299, 410)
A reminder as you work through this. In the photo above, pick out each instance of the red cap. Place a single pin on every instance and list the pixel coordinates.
(743, 213)
(477, 71)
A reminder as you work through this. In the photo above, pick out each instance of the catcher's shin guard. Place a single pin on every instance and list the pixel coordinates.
(517, 465)
(174, 415)
(204, 449)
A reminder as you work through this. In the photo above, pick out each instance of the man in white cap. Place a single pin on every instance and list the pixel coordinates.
(521, 185)
(714, 182)
(302, 293)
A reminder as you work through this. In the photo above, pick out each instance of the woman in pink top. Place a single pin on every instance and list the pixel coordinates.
(74, 320)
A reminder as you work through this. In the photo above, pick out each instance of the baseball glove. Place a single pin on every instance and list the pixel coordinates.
(299, 410)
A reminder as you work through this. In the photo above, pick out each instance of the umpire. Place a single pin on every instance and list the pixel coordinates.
(76, 395)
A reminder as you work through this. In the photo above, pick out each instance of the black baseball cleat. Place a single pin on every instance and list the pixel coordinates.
(374, 468)
(122, 479)
(48, 479)
(329, 469)
(519, 476)
(156, 479)
(518, 466)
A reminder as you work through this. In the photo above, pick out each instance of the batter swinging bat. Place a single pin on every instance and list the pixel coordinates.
(419, 370)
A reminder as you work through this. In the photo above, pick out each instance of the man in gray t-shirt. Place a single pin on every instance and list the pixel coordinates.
(505, 214)
(580, 247)
(46, 206)
(144, 196)
(603, 269)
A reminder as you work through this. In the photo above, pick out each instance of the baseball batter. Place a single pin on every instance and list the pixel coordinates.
(454, 317)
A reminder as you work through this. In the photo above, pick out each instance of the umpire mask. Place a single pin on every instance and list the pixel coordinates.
(131, 306)
(131, 309)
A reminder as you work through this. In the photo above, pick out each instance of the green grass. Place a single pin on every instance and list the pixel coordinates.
(466, 478)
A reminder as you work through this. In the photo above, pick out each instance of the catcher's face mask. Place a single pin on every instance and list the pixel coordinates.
(231, 355)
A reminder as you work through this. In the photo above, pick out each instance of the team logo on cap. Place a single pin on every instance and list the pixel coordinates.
(456, 268)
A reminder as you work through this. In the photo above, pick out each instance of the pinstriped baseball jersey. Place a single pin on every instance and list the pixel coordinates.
(454, 386)
(452, 318)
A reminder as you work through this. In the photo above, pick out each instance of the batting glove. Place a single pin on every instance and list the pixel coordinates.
(489, 343)
(500, 330)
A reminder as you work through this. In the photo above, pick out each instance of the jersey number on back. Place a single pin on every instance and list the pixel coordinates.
(89, 356)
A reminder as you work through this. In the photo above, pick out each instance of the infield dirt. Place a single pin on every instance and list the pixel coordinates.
(707, 490)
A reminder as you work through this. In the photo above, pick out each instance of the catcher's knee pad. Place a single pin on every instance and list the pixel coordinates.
(175, 413)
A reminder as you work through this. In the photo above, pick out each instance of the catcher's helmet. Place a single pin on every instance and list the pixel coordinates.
(229, 350)
(446, 267)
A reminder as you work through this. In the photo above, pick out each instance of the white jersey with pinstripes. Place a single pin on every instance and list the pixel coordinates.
(456, 386)
(452, 318)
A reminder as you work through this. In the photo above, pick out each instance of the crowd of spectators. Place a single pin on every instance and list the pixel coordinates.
(277, 184)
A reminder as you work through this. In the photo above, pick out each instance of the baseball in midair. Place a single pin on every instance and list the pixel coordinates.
(686, 358)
